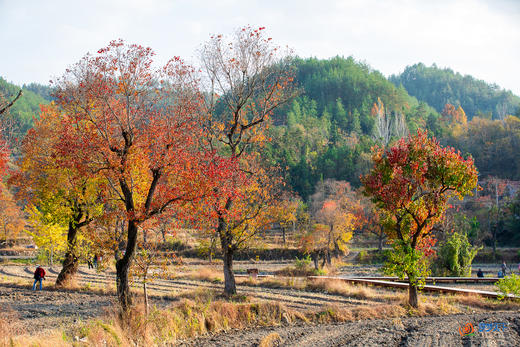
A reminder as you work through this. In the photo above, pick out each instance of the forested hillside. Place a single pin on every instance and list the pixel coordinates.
(438, 87)
(494, 144)
(28, 106)
(327, 132)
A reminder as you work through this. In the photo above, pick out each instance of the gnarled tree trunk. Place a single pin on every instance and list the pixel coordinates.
(227, 254)
(71, 261)
(123, 266)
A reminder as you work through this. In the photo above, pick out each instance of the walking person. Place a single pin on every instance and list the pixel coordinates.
(504, 268)
(39, 276)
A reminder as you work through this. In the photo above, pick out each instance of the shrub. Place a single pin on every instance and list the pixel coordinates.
(455, 256)
(303, 263)
(508, 285)
(374, 256)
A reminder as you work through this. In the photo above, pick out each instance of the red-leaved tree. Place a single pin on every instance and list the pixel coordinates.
(412, 183)
(138, 128)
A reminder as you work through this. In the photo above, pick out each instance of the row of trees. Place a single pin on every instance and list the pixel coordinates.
(131, 143)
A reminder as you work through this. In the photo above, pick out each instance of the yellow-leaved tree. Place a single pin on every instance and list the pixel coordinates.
(48, 234)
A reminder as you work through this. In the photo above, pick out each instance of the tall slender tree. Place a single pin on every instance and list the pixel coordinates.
(247, 78)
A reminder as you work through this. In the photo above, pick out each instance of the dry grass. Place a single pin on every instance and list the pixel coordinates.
(8, 326)
(274, 282)
(70, 283)
(187, 318)
(293, 271)
(343, 288)
(12, 333)
(271, 340)
(329, 286)
(441, 305)
(478, 302)
(206, 274)
(334, 313)
(53, 338)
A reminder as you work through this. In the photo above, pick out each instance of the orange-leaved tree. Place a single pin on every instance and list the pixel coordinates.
(239, 218)
(246, 78)
(62, 195)
(138, 128)
(12, 221)
(335, 211)
(412, 183)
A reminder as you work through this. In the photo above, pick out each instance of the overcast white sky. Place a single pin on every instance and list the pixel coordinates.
(39, 39)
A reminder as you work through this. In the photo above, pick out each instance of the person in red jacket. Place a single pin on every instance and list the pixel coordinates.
(39, 275)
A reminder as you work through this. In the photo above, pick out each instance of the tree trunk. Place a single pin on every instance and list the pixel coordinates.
(283, 235)
(70, 263)
(412, 296)
(123, 265)
(229, 277)
(328, 257)
(226, 239)
(227, 255)
(212, 246)
(145, 292)
(315, 259)
(381, 237)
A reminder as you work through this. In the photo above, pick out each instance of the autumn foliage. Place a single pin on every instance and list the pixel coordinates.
(453, 115)
(335, 214)
(138, 129)
(412, 183)
(246, 79)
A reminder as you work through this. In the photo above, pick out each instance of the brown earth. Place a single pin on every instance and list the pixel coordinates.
(57, 308)
(442, 331)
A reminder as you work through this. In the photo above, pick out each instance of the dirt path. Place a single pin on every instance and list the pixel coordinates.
(296, 299)
(47, 309)
(426, 331)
